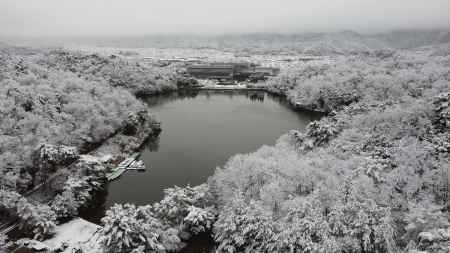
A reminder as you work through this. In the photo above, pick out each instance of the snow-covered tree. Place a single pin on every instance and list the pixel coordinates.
(127, 228)
(76, 193)
(361, 225)
(381, 148)
(70, 101)
(177, 202)
(244, 227)
(65, 205)
(121, 231)
(36, 219)
(199, 219)
(422, 217)
(317, 133)
(39, 219)
(4, 244)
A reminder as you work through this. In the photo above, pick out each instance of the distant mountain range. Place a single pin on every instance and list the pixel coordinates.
(314, 43)
(332, 43)
(414, 38)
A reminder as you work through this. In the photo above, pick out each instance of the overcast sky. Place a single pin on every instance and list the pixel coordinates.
(138, 17)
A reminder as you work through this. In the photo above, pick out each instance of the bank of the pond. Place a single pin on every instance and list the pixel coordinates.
(200, 131)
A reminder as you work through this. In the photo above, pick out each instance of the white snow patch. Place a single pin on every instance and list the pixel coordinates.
(95, 159)
(77, 233)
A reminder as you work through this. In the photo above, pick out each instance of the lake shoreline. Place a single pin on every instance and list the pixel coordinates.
(189, 93)
(130, 136)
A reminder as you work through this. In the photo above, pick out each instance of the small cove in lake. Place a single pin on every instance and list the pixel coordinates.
(200, 131)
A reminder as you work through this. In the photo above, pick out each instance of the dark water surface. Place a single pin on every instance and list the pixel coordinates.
(200, 131)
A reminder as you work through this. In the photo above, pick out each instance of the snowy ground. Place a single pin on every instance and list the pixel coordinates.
(191, 55)
(213, 85)
(77, 233)
(226, 87)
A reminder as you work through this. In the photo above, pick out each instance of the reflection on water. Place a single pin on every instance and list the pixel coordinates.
(201, 243)
(200, 131)
(152, 144)
(96, 210)
(257, 96)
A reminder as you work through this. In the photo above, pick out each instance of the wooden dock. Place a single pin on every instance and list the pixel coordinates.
(115, 174)
(137, 165)
(131, 163)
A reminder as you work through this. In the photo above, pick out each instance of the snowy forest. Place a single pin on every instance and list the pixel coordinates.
(58, 105)
(372, 175)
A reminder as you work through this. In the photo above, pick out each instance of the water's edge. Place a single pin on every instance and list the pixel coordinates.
(240, 112)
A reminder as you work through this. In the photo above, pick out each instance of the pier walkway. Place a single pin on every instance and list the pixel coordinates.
(130, 163)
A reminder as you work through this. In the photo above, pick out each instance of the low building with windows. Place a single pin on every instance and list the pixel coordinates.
(231, 71)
